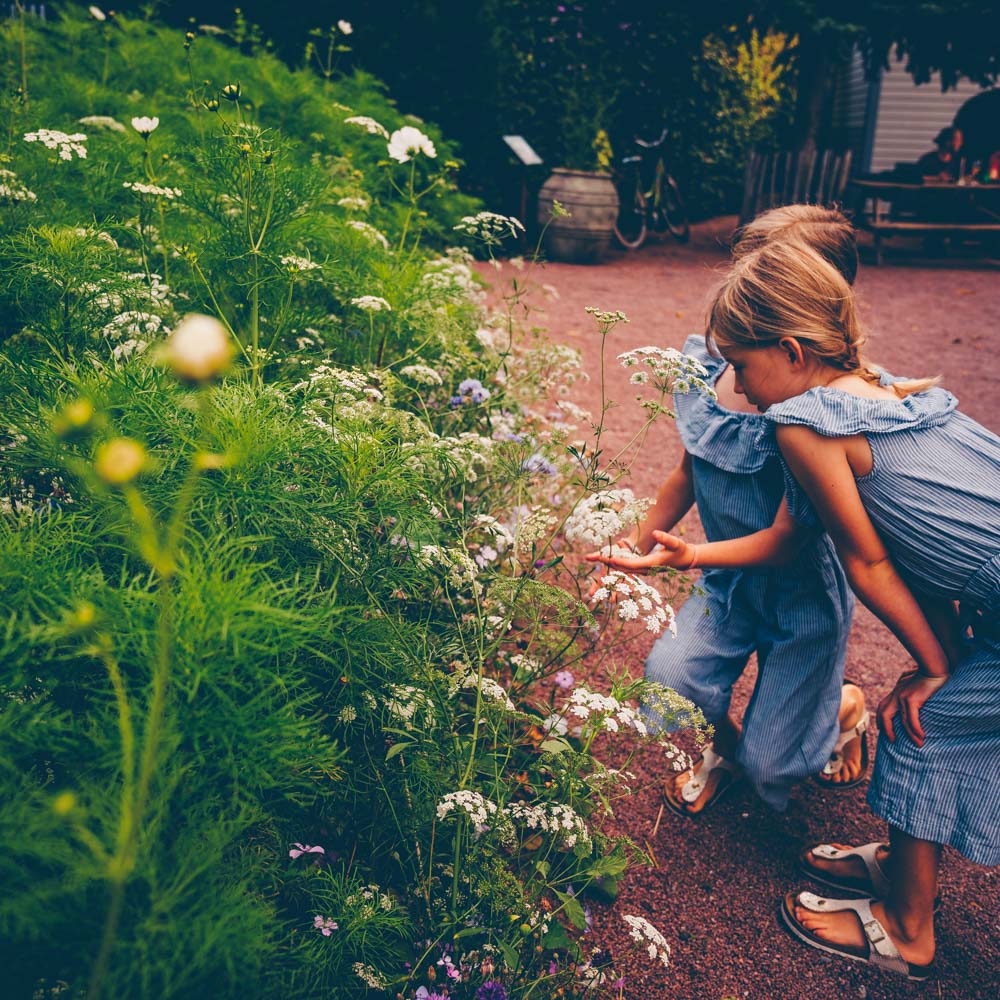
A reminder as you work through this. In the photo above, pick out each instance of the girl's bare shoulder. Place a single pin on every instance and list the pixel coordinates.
(855, 385)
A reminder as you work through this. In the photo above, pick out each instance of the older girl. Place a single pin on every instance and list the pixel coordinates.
(908, 488)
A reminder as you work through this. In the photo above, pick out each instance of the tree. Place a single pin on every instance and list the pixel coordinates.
(953, 37)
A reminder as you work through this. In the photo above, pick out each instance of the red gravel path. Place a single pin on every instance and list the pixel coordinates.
(718, 879)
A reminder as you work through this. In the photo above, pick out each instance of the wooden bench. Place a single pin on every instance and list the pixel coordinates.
(975, 210)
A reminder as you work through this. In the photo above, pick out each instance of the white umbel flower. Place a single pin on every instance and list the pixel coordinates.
(345, 27)
(199, 349)
(371, 303)
(144, 126)
(371, 126)
(407, 142)
(646, 934)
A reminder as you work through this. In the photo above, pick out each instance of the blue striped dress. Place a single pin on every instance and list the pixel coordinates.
(933, 494)
(796, 618)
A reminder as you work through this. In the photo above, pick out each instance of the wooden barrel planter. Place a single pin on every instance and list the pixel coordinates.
(584, 236)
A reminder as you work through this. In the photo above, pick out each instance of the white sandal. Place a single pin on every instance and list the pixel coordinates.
(836, 762)
(877, 882)
(880, 951)
(695, 785)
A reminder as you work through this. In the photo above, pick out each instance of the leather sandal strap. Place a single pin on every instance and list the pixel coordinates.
(836, 761)
(868, 854)
(710, 761)
(883, 953)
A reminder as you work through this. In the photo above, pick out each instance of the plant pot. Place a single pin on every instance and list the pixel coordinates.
(584, 236)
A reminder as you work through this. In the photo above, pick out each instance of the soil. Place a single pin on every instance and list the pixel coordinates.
(714, 888)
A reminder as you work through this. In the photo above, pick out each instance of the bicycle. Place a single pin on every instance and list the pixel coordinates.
(659, 208)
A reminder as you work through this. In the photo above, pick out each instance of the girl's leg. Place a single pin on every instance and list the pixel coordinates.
(907, 913)
(710, 652)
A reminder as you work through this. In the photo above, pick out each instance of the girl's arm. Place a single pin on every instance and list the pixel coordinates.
(674, 499)
(776, 545)
(821, 465)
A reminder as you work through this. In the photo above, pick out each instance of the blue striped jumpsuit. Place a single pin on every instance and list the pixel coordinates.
(933, 495)
(796, 618)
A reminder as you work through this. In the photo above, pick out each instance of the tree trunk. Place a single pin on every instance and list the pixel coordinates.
(815, 77)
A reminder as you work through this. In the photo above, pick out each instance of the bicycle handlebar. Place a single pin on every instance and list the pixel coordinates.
(653, 145)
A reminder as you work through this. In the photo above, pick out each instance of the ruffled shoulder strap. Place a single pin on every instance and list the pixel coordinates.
(731, 441)
(835, 413)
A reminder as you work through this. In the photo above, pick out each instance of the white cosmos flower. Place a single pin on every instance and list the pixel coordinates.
(371, 126)
(145, 125)
(407, 141)
(97, 14)
(346, 28)
(199, 349)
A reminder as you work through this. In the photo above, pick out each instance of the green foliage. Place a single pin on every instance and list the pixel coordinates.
(279, 631)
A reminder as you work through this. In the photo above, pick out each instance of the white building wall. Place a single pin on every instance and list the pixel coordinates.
(909, 116)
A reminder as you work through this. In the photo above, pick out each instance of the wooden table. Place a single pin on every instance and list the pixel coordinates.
(943, 209)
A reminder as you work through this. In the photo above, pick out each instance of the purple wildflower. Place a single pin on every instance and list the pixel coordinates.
(325, 925)
(299, 849)
(539, 463)
(491, 991)
(563, 679)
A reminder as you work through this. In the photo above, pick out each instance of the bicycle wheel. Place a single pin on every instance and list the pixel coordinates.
(630, 229)
(674, 212)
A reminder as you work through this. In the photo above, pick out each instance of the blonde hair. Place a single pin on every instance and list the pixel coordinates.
(784, 288)
(825, 230)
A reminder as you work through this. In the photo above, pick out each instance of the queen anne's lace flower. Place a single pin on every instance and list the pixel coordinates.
(369, 231)
(490, 227)
(67, 145)
(13, 189)
(474, 805)
(156, 190)
(371, 303)
(103, 121)
(531, 526)
(407, 142)
(634, 598)
(605, 515)
(421, 374)
(353, 203)
(666, 370)
(646, 934)
(299, 263)
(489, 688)
(371, 126)
(569, 827)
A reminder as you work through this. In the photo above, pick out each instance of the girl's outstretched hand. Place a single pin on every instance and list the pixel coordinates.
(905, 700)
(674, 552)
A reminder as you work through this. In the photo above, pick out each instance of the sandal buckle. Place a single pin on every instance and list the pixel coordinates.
(875, 931)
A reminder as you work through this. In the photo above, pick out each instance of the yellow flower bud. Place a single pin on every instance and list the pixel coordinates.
(232, 91)
(64, 803)
(120, 461)
(200, 349)
(75, 417)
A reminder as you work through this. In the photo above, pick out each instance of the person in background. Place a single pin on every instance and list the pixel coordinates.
(943, 163)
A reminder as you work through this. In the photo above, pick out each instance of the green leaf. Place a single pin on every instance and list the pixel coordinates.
(510, 955)
(555, 745)
(397, 748)
(573, 910)
(556, 936)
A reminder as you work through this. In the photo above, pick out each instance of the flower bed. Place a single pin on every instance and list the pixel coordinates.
(291, 608)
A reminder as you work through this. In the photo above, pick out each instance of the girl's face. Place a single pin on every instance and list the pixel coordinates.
(768, 375)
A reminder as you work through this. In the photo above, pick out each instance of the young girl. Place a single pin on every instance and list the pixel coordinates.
(909, 490)
(796, 618)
